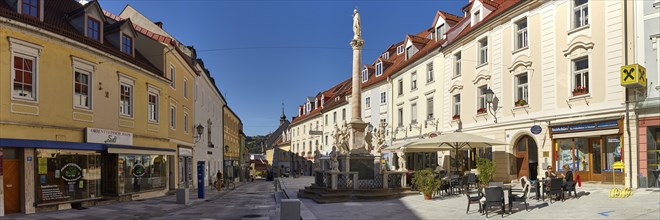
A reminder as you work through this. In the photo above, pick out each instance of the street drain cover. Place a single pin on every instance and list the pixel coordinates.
(252, 216)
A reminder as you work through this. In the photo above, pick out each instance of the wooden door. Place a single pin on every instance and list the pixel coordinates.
(11, 185)
(595, 150)
(522, 158)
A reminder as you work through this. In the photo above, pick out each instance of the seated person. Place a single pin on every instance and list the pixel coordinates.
(550, 173)
(568, 177)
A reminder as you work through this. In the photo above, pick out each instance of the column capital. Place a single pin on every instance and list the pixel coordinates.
(357, 44)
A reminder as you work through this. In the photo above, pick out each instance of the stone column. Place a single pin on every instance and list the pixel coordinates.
(357, 126)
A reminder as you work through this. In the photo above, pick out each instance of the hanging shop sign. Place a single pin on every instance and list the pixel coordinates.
(586, 126)
(103, 136)
(633, 76)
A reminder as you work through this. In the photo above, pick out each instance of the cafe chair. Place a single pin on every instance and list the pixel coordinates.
(494, 198)
(472, 179)
(473, 199)
(570, 187)
(556, 189)
(522, 198)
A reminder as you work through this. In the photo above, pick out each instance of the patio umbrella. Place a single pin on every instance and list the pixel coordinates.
(451, 141)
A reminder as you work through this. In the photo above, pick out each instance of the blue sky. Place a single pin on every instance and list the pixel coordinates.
(263, 53)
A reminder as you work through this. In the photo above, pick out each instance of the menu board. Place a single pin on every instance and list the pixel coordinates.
(52, 192)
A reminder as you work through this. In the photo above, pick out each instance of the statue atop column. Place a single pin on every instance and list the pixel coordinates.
(357, 30)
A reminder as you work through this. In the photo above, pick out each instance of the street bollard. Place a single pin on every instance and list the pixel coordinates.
(290, 209)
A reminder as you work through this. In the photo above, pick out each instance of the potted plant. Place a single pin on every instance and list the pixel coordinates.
(580, 90)
(426, 182)
(486, 169)
(520, 102)
(481, 110)
(456, 117)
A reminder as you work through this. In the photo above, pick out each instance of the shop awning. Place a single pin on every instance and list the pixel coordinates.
(8, 142)
(122, 149)
(586, 134)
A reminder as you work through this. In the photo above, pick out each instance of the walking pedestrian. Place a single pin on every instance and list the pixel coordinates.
(219, 182)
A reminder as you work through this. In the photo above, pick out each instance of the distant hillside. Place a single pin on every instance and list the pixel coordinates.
(254, 143)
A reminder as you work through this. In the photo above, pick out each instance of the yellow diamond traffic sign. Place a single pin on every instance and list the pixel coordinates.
(633, 76)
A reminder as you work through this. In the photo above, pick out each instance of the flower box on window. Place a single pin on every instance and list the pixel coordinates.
(456, 117)
(481, 110)
(580, 90)
(520, 103)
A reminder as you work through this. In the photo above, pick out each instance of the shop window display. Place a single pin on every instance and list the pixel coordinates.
(612, 151)
(565, 154)
(67, 175)
(141, 173)
(581, 155)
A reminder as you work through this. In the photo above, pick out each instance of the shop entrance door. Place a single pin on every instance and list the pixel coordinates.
(522, 158)
(11, 185)
(596, 162)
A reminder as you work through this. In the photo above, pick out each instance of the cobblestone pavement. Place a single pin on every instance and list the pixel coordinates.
(592, 204)
(247, 200)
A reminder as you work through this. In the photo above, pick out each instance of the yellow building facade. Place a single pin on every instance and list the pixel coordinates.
(232, 126)
(72, 100)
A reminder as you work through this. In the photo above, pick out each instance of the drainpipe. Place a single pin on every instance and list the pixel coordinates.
(625, 62)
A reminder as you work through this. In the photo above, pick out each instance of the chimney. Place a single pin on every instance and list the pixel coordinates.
(159, 24)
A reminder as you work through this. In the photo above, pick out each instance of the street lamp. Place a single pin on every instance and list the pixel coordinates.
(200, 130)
(492, 102)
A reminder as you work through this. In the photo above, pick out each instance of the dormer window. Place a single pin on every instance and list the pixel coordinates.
(440, 32)
(399, 50)
(30, 8)
(476, 17)
(127, 44)
(365, 74)
(385, 55)
(379, 68)
(410, 51)
(93, 29)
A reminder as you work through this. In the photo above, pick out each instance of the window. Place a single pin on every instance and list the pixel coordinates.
(413, 113)
(185, 122)
(126, 100)
(173, 117)
(521, 33)
(343, 114)
(81, 93)
(483, 51)
(580, 13)
(172, 76)
(399, 49)
(93, 29)
(410, 51)
(126, 44)
(429, 72)
(334, 117)
(367, 102)
(413, 81)
(385, 55)
(400, 117)
(326, 119)
(481, 99)
(379, 68)
(456, 110)
(476, 17)
(365, 74)
(429, 108)
(61, 170)
(153, 107)
(400, 86)
(31, 8)
(522, 91)
(581, 76)
(185, 88)
(383, 97)
(25, 77)
(440, 32)
(457, 64)
(326, 140)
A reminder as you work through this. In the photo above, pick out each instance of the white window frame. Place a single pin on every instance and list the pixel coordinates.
(400, 93)
(383, 98)
(483, 51)
(429, 72)
(583, 17)
(399, 50)
(185, 88)
(456, 104)
(365, 74)
(88, 68)
(385, 55)
(173, 76)
(440, 32)
(185, 122)
(343, 114)
(521, 86)
(413, 81)
(25, 50)
(457, 64)
(481, 97)
(379, 68)
(429, 108)
(152, 113)
(521, 34)
(367, 102)
(78, 97)
(413, 113)
(410, 51)
(334, 117)
(131, 98)
(400, 111)
(121, 44)
(584, 74)
(173, 117)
